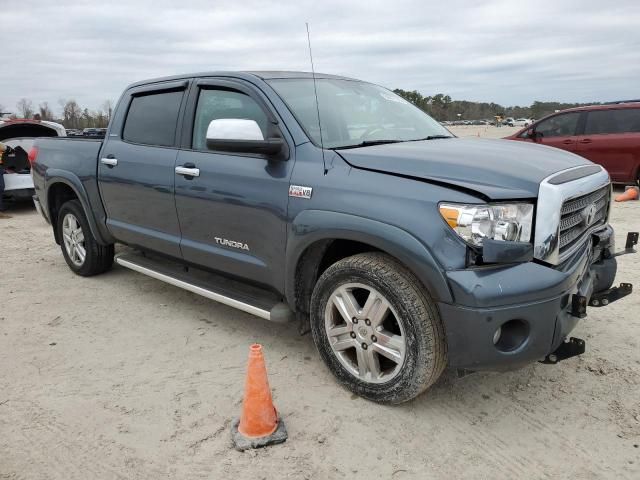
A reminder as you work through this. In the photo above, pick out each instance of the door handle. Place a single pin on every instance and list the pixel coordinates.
(109, 161)
(568, 142)
(188, 170)
(586, 140)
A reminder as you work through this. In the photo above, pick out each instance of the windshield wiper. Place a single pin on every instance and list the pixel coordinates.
(368, 143)
(431, 137)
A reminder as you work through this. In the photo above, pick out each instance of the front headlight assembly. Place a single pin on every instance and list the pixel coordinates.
(497, 221)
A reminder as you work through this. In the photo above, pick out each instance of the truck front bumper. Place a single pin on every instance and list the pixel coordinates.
(507, 316)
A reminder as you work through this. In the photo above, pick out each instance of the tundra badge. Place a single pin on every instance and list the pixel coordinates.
(300, 192)
(231, 243)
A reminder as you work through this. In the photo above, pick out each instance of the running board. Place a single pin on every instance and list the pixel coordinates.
(243, 297)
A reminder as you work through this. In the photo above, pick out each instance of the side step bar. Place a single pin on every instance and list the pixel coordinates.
(179, 276)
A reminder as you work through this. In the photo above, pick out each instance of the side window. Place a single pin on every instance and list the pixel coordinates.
(152, 119)
(217, 104)
(613, 121)
(559, 126)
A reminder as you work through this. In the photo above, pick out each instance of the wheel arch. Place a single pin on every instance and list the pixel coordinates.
(62, 188)
(319, 238)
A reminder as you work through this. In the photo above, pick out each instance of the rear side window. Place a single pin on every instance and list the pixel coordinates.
(613, 121)
(218, 104)
(559, 126)
(152, 119)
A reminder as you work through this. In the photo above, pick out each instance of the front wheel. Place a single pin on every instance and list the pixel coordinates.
(377, 329)
(83, 254)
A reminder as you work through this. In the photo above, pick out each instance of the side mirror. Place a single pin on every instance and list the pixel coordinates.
(241, 136)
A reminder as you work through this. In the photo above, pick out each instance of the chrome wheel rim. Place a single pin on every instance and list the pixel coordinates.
(365, 333)
(73, 239)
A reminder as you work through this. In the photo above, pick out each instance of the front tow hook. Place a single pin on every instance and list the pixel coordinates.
(632, 241)
(570, 348)
(604, 298)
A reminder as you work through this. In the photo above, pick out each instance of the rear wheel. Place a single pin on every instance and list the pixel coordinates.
(377, 329)
(84, 255)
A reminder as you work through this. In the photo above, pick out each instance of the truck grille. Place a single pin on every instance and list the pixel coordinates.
(580, 214)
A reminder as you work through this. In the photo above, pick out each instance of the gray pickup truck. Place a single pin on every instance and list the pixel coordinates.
(336, 203)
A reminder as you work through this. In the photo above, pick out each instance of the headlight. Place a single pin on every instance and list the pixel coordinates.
(498, 221)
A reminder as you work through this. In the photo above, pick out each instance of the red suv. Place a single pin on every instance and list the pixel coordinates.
(605, 134)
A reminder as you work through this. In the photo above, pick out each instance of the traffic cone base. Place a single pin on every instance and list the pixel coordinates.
(241, 443)
(630, 193)
(259, 424)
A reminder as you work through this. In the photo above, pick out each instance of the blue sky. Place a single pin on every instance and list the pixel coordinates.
(509, 52)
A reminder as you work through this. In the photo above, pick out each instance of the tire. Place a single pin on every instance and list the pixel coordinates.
(411, 332)
(75, 237)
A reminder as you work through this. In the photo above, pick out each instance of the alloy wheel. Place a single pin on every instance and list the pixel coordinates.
(73, 238)
(365, 333)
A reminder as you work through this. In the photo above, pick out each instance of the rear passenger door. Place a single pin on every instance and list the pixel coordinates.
(559, 131)
(233, 214)
(612, 139)
(136, 171)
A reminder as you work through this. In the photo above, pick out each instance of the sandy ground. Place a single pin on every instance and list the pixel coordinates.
(483, 131)
(121, 376)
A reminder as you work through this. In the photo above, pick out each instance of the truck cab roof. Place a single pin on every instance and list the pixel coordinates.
(246, 75)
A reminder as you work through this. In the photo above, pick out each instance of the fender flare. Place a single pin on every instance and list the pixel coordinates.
(311, 226)
(55, 176)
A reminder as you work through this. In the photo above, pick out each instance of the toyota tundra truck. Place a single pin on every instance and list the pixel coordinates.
(336, 203)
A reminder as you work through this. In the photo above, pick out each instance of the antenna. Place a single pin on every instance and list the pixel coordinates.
(315, 91)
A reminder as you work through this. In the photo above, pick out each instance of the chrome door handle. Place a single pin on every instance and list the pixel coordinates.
(188, 172)
(111, 162)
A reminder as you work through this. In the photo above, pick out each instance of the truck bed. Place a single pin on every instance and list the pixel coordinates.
(77, 155)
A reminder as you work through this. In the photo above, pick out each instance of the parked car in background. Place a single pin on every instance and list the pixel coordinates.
(94, 132)
(508, 121)
(19, 134)
(521, 122)
(605, 134)
(74, 132)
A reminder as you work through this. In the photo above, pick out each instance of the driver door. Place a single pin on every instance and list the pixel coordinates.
(233, 214)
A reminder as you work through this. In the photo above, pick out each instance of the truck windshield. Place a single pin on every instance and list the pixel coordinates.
(354, 113)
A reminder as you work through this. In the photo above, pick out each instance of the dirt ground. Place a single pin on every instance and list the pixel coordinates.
(122, 376)
(483, 131)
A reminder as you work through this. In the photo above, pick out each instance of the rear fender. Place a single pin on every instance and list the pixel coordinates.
(55, 176)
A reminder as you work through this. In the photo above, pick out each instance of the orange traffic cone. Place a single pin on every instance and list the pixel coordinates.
(258, 425)
(631, 193)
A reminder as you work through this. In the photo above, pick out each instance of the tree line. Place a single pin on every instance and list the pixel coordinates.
(72, 114)
(442, 107)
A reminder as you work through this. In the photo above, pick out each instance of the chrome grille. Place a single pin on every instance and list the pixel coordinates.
(580, 214)
(571, 204)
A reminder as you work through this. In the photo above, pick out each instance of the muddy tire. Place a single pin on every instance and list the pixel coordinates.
(84, 255)
(377, 329)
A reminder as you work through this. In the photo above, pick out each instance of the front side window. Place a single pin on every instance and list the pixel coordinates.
(601, 122)
(353, 112)
(152, 119)
(218, 104)
(563, 125)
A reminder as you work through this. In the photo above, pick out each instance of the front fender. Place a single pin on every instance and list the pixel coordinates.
(56, 176)
(311, 226)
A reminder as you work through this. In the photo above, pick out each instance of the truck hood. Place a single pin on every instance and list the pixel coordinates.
(497, 169)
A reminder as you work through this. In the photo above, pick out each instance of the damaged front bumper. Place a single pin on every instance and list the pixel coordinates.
(507, 316)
